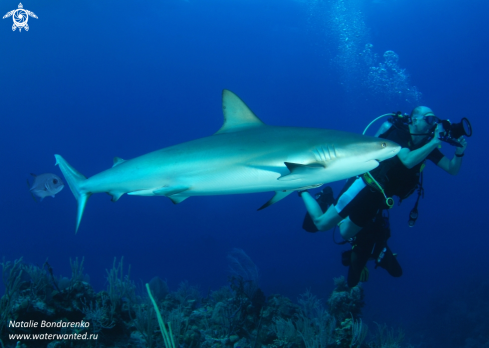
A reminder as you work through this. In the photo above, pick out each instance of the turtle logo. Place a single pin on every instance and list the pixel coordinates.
(20, 17)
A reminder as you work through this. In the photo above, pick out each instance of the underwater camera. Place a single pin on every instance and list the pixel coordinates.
(453, 131)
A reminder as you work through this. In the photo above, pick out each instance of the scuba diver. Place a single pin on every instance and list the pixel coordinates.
(358, 211)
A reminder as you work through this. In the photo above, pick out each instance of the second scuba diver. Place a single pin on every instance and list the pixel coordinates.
(359, 208)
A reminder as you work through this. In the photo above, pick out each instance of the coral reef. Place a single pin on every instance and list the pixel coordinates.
(237, 315)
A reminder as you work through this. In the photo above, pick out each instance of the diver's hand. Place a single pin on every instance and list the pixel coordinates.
(436, 137)
(463, 142)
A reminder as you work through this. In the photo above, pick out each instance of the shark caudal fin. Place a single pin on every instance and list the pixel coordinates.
(74, 179)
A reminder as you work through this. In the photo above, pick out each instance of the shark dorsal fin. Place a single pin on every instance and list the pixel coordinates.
(237, 115)
(117, 161)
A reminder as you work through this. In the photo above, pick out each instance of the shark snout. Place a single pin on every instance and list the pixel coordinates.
(388, 149)
(395, 149)
(391, 149)
(390, 153)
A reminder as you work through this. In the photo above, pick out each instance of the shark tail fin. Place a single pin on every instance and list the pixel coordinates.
(74, 179)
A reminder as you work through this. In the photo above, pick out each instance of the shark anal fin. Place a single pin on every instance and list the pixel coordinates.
(177, 199)
(277, 197)
(115, 195)
(117, 161)
(298, 170)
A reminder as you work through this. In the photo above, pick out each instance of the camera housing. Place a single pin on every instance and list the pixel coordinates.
(453, 131)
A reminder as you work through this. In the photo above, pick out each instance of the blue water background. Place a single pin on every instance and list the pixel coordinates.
(93, 80)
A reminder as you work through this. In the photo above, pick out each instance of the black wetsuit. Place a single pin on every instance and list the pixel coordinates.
(361, 205)
(371, 243)
(366, 206)
(392, 174)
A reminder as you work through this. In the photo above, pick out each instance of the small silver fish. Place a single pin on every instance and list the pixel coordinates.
(46, 185)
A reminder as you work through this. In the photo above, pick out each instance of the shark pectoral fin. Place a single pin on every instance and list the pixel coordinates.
(170, 190)
(298, 170)
(277, 197)
(237, 115)
(177, 199)
(117, 161)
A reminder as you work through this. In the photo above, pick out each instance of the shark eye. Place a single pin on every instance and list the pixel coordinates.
(383, 145)
(55, 181)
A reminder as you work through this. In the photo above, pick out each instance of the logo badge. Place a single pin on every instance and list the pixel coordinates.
(20, 17)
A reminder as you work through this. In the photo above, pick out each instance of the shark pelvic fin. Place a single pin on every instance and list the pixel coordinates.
(74, 179)
(299, 170)
(279, 195)
(117, 161)
(237, 115)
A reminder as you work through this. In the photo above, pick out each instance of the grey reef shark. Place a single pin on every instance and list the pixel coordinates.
(243, 156)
